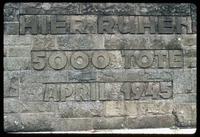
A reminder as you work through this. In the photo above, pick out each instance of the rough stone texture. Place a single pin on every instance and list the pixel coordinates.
(19, 51)
(82, 41)
(20, 63)
(43, 42)
(174, 9)
(151, 121)
(79, 67)
(49, 8)
(79, 109)
(151, 42)
(72, 124)
(134, 9)
(193, 8)
(11, 12)
(11, 28)
(185, 114)
(17, 40)
(108, 123)
(188, 86)
(28, 122)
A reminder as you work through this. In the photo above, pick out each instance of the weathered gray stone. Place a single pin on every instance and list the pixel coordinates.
(190, 62)
(134, 9)
(113, 92)
(190, 52)
(48, 76)
(83, 24)
(181, 85)
(110, 75)
(108, 123)
(173, 9)
(41, 42)
(13, 105)
(143, 42)
(134, 75)
(79, 41)
(11, 28)
(81, 109)
(11, 84)
(11, 123)
(185, 98)
(193, 12)
(108, 8)
(154, 107)
(38, 107)
(19, 63)
(131, 108)
(144, 9)
(28, 122)
(19, 51)
(49, 8)
(31, 76)
(17, 40)
(114, 108)
(72, 124)
(32, 92)
(151, 121)
(81, 76)
(185, 115)
(11, 12)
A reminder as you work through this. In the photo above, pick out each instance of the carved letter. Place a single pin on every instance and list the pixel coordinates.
(126, 89)
(102, 92)
(175, 58)
(166, 90)
(126, 24)
(146, 22)
(13, 90)
(78, 24)
(165, 25)
(127, 58)
(66, 92)
(38, 60)
(162, 58)
(28, 21)
(52, 91)
(105, 24)
(58, 24)
(42, 27)
(100, 60)
(94, 91)
(152, 89)
(57, 60)
(144, 59)
(137, 89)
(79, 60)
(82, 92)
(183, 22)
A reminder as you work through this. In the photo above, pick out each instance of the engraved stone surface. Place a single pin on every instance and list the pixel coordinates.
(99, 66)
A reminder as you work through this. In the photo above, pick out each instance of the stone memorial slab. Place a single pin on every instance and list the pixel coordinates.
(99, 66)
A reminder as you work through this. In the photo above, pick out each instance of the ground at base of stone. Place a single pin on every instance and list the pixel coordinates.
(124, 131)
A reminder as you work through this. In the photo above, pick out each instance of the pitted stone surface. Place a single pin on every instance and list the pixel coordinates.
(99, 66)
